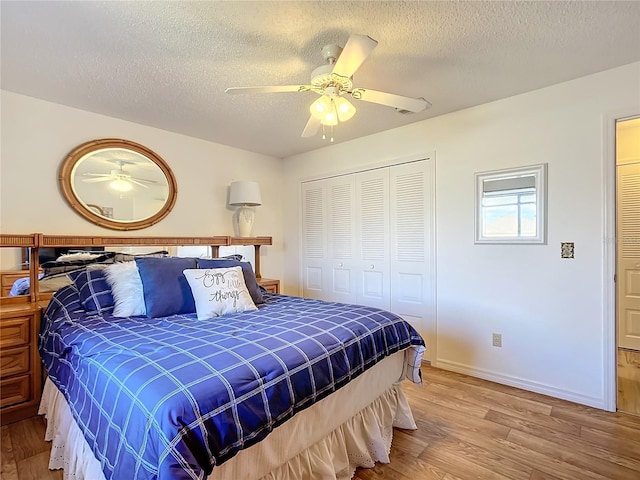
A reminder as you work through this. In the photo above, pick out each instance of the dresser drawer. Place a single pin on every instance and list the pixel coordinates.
(14, 361)
(7, 279)
(15, 390)
(270, 285)
(15, 331)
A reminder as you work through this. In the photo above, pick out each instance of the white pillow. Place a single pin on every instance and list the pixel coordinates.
(126, 288)
(217, 291)
(67, 257)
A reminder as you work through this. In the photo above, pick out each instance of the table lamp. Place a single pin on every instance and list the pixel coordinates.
(245, 195)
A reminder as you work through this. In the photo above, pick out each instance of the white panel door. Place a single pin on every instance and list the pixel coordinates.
(628, 254)
(341, 239)
(412, 227)
(372, 238)
(314, 244)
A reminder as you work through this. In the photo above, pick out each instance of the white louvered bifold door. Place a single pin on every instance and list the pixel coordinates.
(314, 242)
(341, 239)
(628, 255)
(413, 246)
(372, 265)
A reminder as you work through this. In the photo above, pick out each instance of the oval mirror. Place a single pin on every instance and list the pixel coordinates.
(117, 184)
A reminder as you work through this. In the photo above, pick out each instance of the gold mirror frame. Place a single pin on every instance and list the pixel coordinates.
(80, 152)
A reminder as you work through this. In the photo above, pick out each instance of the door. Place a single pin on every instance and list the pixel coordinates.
(341, 278)
(314, 243)
(628, 205)
(628, 264)
(413, 247)
(372, 257)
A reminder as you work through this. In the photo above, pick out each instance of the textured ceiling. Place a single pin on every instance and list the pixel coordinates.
(167, 64)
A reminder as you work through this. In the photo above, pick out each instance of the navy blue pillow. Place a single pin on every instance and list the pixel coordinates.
(93, 290)
(249, 277)
(166, 290)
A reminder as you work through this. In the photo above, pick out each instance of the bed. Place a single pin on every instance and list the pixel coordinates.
(290, 388)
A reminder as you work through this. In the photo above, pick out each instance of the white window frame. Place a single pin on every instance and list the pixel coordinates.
(539, 176)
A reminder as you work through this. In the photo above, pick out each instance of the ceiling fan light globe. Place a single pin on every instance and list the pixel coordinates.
(344, 108)
(320, 107)
(330, 119)
(121, 185)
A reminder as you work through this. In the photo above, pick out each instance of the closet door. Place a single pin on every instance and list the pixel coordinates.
(412, 226)
(372, 238)
(341, 278)
(314, 243)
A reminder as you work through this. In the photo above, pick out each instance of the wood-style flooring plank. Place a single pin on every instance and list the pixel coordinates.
(508, 398)
(36, 467)
(593, 419)
(380, 472)
(481, 461)
(463, 406)
(611, 442)
(8, 468)
(413, 467)
(629, 381)
(562, 440)
(543, 423)
(568, 453)
(522, 394)
(406, 441)
(30, 433)
(538, 475)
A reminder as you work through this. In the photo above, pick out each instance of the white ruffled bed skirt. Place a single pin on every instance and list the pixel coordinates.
(360, 441)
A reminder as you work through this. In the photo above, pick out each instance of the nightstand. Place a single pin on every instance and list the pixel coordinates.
(269, 284)
(20, 371)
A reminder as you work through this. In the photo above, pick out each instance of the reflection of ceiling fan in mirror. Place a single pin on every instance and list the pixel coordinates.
(121, 180)
(333, 82)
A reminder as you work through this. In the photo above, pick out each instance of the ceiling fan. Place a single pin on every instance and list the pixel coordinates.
(120, 179)
(334, 80)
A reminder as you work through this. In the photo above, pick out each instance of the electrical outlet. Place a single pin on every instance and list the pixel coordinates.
(497, 339)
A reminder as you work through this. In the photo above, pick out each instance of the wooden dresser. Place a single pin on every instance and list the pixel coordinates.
(20, 367)
(20, 370)
(270, 285)
(7, 279)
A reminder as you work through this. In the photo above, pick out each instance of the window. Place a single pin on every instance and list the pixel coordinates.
(510, 205)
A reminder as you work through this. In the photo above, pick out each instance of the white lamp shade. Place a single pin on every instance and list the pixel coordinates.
(245, 193)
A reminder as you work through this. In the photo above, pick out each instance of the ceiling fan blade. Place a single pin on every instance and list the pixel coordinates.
(390, 100)
(311, 128)
(358, 48)
(97, 179)
(272, 89)
(96, 174)
(144, 180)
(137, 182)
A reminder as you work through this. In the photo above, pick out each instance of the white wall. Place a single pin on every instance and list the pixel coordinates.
(549, 310)
(37, 135)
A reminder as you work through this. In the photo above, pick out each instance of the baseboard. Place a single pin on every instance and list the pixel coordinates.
(524, 384)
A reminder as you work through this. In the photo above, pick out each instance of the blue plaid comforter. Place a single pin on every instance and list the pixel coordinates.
(172, 397)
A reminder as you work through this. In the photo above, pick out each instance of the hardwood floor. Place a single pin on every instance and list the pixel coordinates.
(473, 429)
(468, 429)
(629, 381)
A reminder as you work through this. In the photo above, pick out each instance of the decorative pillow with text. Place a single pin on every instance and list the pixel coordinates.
(218, 291)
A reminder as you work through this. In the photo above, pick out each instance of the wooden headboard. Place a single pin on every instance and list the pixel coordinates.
(35, 241)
